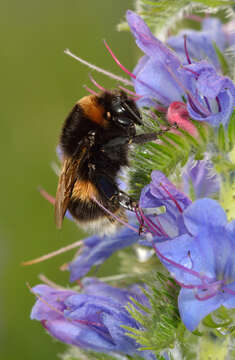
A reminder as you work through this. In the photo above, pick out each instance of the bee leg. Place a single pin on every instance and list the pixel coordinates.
(126, 201)
(116, 142)
(143, 138)
(112, 193)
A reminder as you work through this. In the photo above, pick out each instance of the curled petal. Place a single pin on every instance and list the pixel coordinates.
(97, 249)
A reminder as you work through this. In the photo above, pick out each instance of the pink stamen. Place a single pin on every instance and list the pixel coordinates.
(140, 220)
(186, 50)
(118, 62)
(179, 266)
(191, 71)
(47, 196)
(90, 90)
(115, 217)
(191, 287)
(130, 92)
(206, 297)
(152, 227)
(96, 68)
(172, 198)
(229, 291)
(161, 228)
(207, 103)
(149, 221)
(52, 254)
(96, 83)
(218, 103)
(129, 73)
(196, 103)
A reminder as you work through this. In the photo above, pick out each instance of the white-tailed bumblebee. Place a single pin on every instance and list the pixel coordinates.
(94, 142)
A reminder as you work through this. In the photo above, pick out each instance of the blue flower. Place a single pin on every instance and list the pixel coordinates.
(161, 193)
(199, 179)
(200, 44)
(91, 322)
(202, 261)
(99, 248)
(160, 79)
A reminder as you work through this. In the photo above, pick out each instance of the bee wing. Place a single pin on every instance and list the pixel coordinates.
(66, 183)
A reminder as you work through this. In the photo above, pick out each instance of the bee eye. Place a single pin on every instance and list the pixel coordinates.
(118, 108)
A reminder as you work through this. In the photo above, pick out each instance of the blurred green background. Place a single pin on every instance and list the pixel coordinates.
(39, 86)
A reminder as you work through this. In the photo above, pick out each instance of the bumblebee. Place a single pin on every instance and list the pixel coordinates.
(94, 141)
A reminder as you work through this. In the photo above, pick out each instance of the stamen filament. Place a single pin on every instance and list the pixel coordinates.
(130, 92)
(118, 62)
(218, 103)
(52, 254)
(193, 106)
(132, 75)
(98, 69)
(44, 301)
(186, 50)
(115, 217)
(207, 103)
(50, 283)
(90, 90)
(150, 224)
(96, 83)
(139, 218)
(206, 297)
(229, 291)
(199, 107)
(47, 196)
(190, 70)
(172, 198)
(161, 228)
(179, 266)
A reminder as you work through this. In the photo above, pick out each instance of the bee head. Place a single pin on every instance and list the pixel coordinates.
(122, 110)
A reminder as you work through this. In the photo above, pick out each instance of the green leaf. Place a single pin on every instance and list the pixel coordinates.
(178, 140)
(221, 139)
(158, 325)
(231, 131)
(222, 60)
(208, 321)
(160, 15)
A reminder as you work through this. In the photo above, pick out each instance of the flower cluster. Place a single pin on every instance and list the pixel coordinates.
(179, 221)
(92, 320)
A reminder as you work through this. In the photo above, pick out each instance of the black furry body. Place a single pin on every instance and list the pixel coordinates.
(97, 133)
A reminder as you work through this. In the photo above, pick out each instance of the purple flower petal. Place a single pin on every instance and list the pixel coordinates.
(90, 322)
(203, 262)
(200, 178)
(192, 311)
(97, 249)
(147, 42)
(161, 78)
(95, 286)
(200, 44)
(204, 213)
